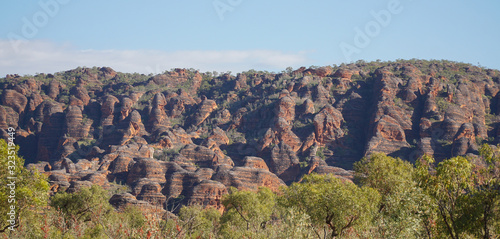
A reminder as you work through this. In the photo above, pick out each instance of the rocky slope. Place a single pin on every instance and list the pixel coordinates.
(185, 137)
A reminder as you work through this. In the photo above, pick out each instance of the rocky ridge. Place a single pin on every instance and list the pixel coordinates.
(185, 137)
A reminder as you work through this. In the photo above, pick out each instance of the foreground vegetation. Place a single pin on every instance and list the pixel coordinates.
(391, 198)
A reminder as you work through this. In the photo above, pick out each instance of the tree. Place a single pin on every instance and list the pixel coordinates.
(247, 211)
(199, 222)
(404, 209)
(22, 191)
(342, 206)
(383, 173)
(486, 193)
(449, 185)
(292, 224)
(86, 205)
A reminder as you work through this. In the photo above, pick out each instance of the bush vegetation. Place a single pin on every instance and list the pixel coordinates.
(390, 198)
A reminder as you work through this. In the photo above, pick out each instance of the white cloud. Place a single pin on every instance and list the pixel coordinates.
(30, 57)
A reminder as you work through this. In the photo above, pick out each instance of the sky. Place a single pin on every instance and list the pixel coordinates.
(152, 36)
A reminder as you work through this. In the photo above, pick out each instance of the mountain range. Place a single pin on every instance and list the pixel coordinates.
(185, 137)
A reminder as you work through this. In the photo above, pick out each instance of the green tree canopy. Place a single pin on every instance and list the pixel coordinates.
(449, 185)
(86, 205)
(330, 202)
(405, 209)
(199, 222)
(22, 190)
(486, 193)
(246, 209)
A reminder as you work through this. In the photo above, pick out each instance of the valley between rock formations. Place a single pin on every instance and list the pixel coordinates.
(186, 137)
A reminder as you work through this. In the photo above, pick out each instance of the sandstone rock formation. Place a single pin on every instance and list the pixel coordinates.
(327, 125)
(184, 137)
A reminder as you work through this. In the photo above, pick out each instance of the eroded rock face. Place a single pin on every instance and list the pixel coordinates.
(176, 79)
(343, 73)
(95, 126)
(14, 100)
(219, 136)
(324, 71)
(327, 125)
(107, 72)
(76, 185)
(321, 94)
(205, 109)
(389, 136)
(108, 109)
(178, 103)
(28, 86)
(52, 130)
(34, 101)
(97, 178)
(281, 132)
(207, 193)
(286, 109)
(255, 162)
(201, 156)
(390, 120)
(8, 117)
(126, 108)
(120, 167)
(284, 162)
(125, 131)
(148, 168)
(241, 81)
(151, 192)
(158, 121)
(174, 138)
(74, 125)
(308, 107)
(389, 129)
(245, 178)
(123, 200)
(81, 93)
(464, 140)
(180, 182)
(54, 89)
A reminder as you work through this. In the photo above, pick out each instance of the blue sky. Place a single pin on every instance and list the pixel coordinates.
(151, 36)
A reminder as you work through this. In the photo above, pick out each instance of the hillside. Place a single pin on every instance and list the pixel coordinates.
(189, 136)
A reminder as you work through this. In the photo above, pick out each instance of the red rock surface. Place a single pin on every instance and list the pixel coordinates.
(327, 125)
(255, 162)
(205, 109)
(207, 193)
(147, 168)
(185, 136)
(245, 178)
(285, 109)
(14, 100)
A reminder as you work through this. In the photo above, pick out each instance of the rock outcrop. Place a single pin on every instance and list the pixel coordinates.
(206, 107)
(327, 125)
(14, 100)
(245, 178)
(183, 137)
